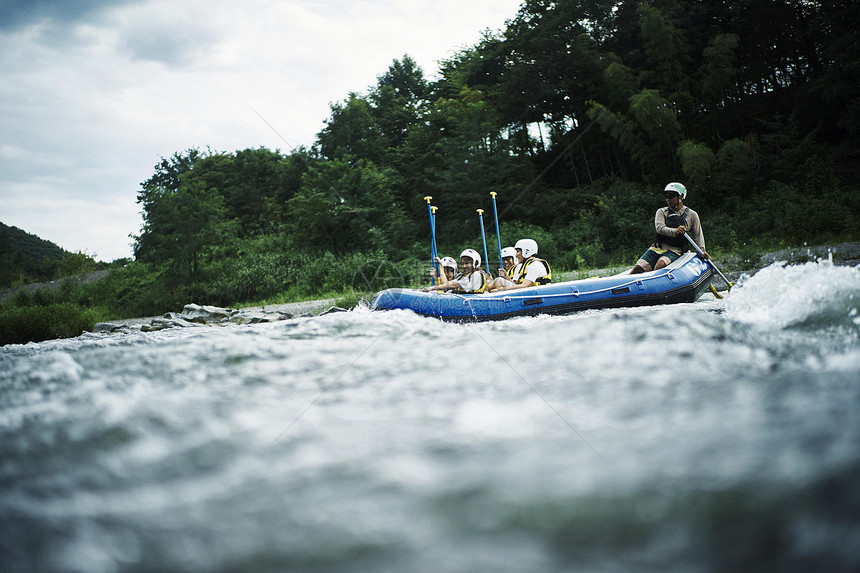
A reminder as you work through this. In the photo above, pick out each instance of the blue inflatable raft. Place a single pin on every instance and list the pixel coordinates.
(683, 281)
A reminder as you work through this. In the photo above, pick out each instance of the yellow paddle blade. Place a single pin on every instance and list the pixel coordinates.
(713, 290)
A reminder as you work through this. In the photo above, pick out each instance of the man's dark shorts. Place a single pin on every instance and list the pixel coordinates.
(652, 255)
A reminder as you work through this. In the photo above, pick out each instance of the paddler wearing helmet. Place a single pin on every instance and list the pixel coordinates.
(531, 270)
(449, 268)
(506, 273)
(470, 280)
(671, 222)
(509, 261)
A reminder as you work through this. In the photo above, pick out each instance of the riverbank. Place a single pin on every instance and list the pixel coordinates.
(85, 278)
(733, 267)
(43, 323)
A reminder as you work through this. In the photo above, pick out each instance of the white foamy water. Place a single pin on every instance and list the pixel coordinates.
(782, 296)
(720, 435)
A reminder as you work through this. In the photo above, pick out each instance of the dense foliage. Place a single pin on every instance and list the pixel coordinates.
(575, 114)
(36, 323)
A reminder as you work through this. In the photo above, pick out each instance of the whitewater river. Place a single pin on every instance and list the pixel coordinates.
(717, 436)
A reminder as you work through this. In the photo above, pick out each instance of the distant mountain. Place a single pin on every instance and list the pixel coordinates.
(31, 246)
(26, 258)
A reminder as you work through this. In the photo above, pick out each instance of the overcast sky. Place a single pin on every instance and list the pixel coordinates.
(94, 92)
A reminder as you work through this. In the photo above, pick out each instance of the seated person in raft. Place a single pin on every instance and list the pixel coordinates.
(530, 271)
(471, 280)
(449, 269)
(506, 273)
(671, 223)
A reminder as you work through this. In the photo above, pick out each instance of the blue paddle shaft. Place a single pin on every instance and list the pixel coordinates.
(700, 253)
(432, 240)
(483, 236)
(498, 236)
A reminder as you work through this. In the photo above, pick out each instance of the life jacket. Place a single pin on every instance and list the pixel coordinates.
(510, 272)
(673, 221)
(544, 280)
(484, 281)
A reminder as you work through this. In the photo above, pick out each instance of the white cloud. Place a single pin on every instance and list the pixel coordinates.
(87, 106)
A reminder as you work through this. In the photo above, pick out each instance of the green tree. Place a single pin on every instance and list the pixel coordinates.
(7, 259)
(352, 132)
(623, 131)
(343, 207)
(719, 70)
(621, 83)
(649, 131)
(697, 160)
(398, 100)
(76, 263)
(460, 157)
(184, 220)
(735, 170)
(666, 51)
(552, 63)
(255, 184)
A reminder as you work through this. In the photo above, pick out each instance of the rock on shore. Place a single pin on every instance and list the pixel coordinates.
(195, 315)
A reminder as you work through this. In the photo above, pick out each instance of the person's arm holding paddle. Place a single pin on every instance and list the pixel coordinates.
(695, 234)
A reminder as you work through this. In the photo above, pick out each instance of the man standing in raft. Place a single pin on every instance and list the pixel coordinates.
(671, 222)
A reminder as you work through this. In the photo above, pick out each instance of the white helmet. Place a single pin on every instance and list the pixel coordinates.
(527, 246)
(472, 254)
(509, 252)
(449, 262)
(677, 188)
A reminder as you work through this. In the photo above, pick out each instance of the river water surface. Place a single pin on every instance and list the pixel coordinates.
(717, 436)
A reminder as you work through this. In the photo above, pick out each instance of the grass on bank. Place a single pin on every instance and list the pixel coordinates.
(21, 324)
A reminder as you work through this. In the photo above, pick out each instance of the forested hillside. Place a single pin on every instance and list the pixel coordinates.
(26, 258)
(576, 115)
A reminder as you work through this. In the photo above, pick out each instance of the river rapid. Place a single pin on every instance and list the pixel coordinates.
(716, 436)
